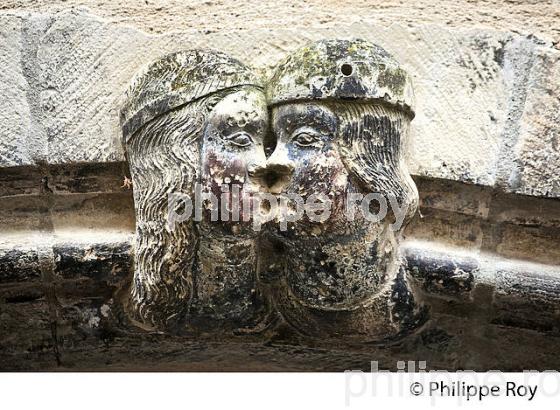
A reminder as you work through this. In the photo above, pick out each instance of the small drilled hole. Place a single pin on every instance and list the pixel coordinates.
(346, 69)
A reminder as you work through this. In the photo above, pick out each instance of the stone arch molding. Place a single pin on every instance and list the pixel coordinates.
(328, 130)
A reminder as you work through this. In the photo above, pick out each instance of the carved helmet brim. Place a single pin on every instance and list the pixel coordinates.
(341, 70)
(177, 79)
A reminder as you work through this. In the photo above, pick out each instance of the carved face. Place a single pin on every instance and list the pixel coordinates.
(307, 141)
(336, 150)
(308, 154)
(217, 141)
(191, 118)
(232, 149)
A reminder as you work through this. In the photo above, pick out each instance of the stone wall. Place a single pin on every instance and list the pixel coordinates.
(485, 155)
(487, 100)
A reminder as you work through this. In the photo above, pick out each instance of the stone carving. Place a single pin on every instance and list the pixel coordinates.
(340, 116)
(193, 116)
(338, 128)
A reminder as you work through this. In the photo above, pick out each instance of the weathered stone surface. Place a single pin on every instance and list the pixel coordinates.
(470, 87)
(507, 292)
(527, 297)
(17, 144)
(445, 85)
(19, 264)
(106, 263)
(537, 152)
(25, 334)
(478, 218)
(529, 242)
(493, 99)
(441, 274)
(160, 16)
(481, 326)
(65, 179)
(82, 70)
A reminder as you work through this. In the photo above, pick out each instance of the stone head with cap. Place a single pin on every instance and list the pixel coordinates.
(341, 111)
(191, 118)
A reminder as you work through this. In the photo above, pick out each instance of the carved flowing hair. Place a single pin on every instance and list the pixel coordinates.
(373, 141)
(164, 160)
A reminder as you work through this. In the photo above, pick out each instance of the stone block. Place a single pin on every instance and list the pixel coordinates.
(18, 141)
(536, 155)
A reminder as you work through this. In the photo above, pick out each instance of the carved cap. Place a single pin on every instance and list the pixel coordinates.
(342, 69)
(177, 79)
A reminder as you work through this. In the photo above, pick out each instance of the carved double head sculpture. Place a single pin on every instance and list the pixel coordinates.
(328, 127)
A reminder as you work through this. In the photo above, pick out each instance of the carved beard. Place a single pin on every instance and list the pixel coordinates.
(164, 158)
(340, 276)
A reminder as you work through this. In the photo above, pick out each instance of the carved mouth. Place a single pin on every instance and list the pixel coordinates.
(273, 179)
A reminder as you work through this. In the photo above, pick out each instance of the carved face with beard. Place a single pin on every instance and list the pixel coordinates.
(340, 133)
(193, 119)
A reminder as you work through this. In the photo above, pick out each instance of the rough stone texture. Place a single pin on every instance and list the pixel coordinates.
(479, 219)
(17, 146)
(527, 299)
(158, 16)
(537, 152)
(19, 264)
(486, 76)
(471, 88)
(59, 311)
(486, 313)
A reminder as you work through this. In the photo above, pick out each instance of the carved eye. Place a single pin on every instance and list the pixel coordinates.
(241, 139)
(306, 138)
